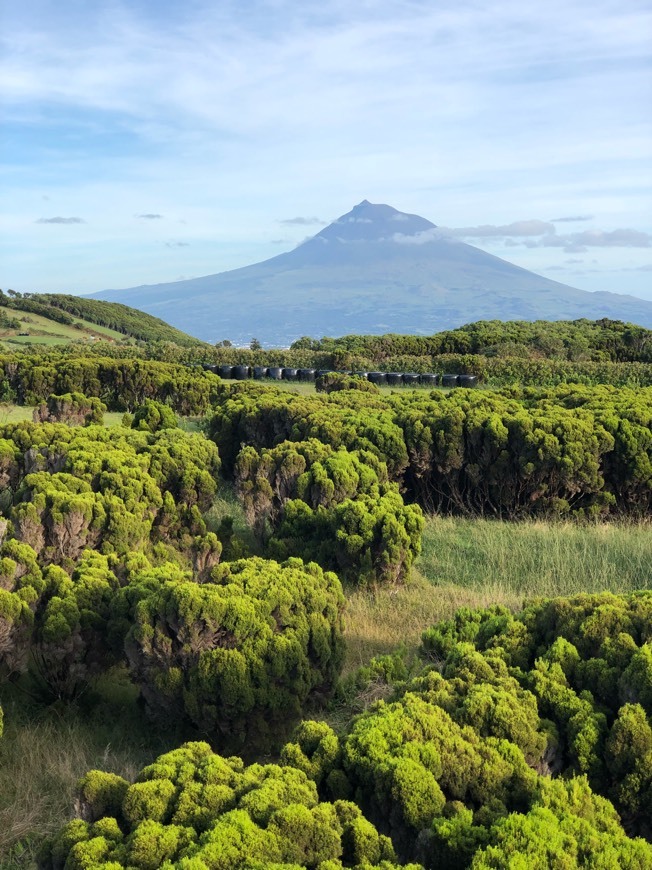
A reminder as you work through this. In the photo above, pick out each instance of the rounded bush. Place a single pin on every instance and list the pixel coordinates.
(195, 810)
(240, 654)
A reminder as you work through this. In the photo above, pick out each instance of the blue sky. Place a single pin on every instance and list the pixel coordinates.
(151, 141)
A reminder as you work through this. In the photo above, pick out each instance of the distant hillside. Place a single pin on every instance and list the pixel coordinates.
(374, 270)
(580, 340)
(56, 318)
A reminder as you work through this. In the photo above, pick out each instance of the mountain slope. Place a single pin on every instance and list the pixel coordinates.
(374, 270)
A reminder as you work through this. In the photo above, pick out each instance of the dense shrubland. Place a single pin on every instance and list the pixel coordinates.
(514, 739)
(514, 453)
(524, 740)
(112, 561)
(337, 506)
(75, 409)
(196, 810)
(573, 340)
(500, 354)
(122, 384)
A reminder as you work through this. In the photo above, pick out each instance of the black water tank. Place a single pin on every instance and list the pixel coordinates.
(290, 374)
(307, 374)
(450, 380)
(225, 371)
(378, 378)
(429, 380)
(207, 367)
(240, 373)
(363, 375)
(275, 373)
(321, 372)
(410, 379)
(468, 381)
(260, 372)
(394, 379)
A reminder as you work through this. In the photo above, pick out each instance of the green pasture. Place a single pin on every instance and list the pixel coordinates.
(44, 331)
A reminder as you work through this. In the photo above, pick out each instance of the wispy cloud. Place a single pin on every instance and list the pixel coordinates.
(302, 222)
(543, 234)
(177, 244)
(572, 220)
(150, 217)
(61, 220)
(517, 228)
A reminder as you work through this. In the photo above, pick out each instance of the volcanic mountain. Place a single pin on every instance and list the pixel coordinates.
(373, 270)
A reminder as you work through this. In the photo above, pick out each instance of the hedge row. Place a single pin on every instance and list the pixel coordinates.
(122, 384)
(510, 453)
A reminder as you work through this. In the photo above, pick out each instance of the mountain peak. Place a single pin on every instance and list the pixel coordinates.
(370, 222)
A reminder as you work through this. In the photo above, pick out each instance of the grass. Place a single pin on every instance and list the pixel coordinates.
(380, 622)
(44, 331)
(14, 413)
(479, 562)
(10, 413)
(45, 751)
(537, 558)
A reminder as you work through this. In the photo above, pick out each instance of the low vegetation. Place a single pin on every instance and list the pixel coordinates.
(422, 620)
(118, 319)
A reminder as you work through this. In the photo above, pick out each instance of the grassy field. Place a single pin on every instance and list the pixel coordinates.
(17, 413)
(537, 558)
(479, 562)
(44, 331)
(14, 413)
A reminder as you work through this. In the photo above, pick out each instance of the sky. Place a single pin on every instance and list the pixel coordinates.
(146, 142)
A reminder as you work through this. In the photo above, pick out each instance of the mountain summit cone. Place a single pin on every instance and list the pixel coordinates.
(373, 270)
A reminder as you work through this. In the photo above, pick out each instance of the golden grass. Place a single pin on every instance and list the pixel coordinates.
(378, 623)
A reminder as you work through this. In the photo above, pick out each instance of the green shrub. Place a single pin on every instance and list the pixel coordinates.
(200, 811)
(240, 654)
(75, 409)
(335, 381)
(152, 416)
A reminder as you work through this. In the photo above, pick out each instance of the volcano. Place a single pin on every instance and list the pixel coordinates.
(373, 270)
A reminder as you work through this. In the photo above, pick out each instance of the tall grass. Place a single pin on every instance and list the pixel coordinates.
(480, 562)
(44, 751)
(537, 558)
(377, 623)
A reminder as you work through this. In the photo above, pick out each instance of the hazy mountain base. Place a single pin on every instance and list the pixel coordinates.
(374, 270)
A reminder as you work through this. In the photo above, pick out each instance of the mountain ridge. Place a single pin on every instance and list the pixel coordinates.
(373, 270)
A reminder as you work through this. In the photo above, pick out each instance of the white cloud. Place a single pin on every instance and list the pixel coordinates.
(517, 228)
(302, 222)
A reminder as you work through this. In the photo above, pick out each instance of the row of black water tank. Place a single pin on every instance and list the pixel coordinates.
(391, 379)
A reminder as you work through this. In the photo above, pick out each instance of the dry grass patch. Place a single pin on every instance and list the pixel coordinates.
(379, 622)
